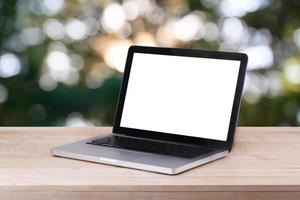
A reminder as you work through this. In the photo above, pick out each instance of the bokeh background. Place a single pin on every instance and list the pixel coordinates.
(61, 62)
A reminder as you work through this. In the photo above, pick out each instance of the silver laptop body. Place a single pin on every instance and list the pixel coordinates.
(158, 109)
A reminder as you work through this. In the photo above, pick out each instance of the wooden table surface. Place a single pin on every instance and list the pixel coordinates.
(264, 164)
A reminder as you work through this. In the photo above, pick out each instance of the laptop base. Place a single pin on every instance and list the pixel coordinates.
(133, 159)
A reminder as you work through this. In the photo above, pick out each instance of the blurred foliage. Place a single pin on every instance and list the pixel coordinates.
(61, 61)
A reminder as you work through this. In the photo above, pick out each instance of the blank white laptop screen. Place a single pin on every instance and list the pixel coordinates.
(180, 95)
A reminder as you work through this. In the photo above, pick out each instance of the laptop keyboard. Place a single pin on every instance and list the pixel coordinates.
(164, 148)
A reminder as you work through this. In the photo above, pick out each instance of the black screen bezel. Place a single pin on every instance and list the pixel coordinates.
(170, 136)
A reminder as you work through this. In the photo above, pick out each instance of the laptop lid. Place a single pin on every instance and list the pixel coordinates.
(181, 95)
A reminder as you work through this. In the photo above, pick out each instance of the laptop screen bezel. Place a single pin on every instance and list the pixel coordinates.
(171, 136)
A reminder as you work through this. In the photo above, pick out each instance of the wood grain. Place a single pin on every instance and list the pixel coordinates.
(264, 164)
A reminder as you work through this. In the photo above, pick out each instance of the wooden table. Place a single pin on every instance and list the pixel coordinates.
(264, 164)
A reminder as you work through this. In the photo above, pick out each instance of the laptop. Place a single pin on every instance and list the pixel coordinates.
(177, 109)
